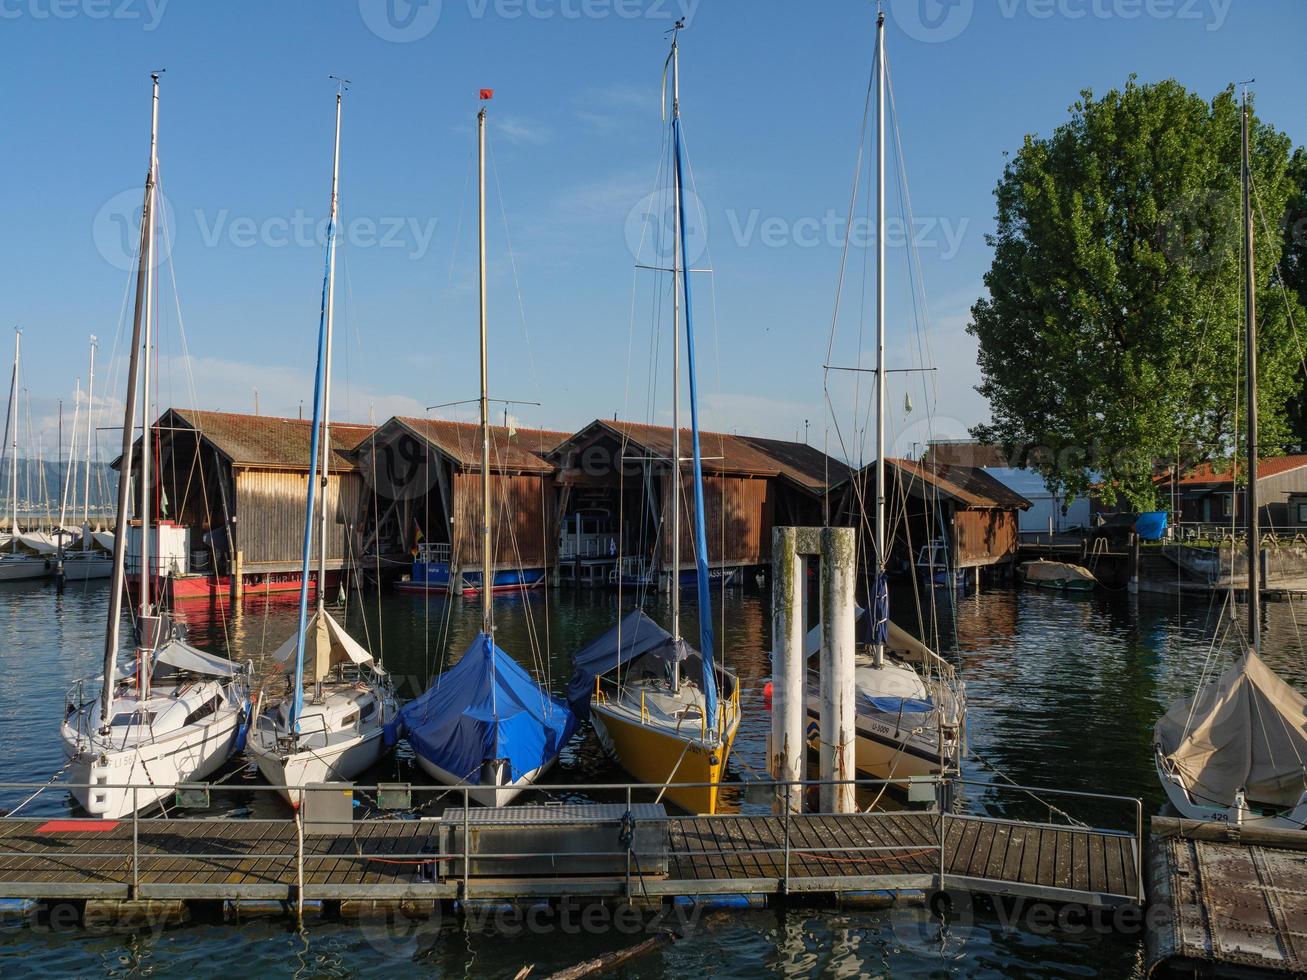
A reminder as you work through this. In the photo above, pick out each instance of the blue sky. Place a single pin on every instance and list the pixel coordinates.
(772, 96)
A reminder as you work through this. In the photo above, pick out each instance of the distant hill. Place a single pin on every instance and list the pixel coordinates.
(41, 486)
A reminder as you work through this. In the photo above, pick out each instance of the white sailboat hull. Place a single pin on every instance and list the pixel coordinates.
(101, 774)
(78, 569)
(500, 795)
(1184, 804)
(331, 764)
(22, 569)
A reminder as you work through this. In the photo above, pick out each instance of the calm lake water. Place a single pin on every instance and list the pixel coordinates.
(1064, 691)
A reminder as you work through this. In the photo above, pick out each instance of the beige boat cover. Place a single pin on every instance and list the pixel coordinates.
(1055, 571)
(326, 645)
(1246, 731)
(901, 643)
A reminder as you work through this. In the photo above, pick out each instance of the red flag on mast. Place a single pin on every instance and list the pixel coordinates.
(487, 94)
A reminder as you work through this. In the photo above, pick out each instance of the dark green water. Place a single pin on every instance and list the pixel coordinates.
(1063, 692)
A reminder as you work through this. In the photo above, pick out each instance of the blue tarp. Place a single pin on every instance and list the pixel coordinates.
(639, 635)
(487, 707)
(1151, 525)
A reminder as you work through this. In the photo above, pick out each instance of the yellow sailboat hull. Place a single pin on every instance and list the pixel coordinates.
(657, 757)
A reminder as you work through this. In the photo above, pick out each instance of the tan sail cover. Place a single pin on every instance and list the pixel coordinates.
(326, 644)
(1246, 731)
(1055, 571)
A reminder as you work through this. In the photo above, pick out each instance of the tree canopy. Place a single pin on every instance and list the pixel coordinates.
(1111, 339)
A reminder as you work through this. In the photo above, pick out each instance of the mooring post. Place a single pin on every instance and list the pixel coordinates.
(838, 734)
(788, 697)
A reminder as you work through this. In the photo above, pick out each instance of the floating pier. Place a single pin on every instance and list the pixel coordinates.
(1231, 901)
(630, 852)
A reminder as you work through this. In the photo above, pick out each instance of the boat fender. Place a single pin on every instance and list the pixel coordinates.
(766, 695)
(243, 726)
(626, 833)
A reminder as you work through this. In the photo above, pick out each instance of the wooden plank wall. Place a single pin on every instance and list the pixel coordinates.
(984, 536)
(270, 514)
(738, 518)
(523, 509)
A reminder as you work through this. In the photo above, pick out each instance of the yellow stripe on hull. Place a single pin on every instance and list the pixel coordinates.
(652, 756)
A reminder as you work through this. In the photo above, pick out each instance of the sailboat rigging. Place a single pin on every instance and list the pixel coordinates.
(351, 717)
(178, 713)
(486, 721)
(910, 706)
(1236, 752)
(668, 713)
(86, 562)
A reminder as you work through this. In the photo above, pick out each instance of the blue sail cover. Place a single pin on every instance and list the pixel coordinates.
(635, 636)
(880, 609)
(483, 708)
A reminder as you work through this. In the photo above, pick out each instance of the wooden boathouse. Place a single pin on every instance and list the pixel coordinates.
(615, 483)
(965, 517)
(236, 485)
(422, 481)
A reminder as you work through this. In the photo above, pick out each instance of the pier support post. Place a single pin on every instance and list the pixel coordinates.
(237, 575)
(788, 707)
(838, 732)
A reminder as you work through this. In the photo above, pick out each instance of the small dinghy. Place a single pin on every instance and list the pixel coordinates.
(1045, 574)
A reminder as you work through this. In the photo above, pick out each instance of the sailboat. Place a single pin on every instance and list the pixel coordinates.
(88, 561)
(350, 718)
(910, 705)
(666, 712)
(176, 714)
(485, 722)
(17, 566)
(1236, 752)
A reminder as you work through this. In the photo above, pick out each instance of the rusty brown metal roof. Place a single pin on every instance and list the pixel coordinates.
(802, 463)
(966, 452)
(723, 452)
(267, 442)
(968, 485)
(511, 451)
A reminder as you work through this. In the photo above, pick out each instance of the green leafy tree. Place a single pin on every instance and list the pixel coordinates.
(1111, 339)
(1294, 269)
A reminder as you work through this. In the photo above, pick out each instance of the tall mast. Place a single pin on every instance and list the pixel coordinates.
(147, 448)
(878, 650)
(129, 421)
(677, 274)
(326, 384)
(12, 423)
(70, 474)
(1250, 309)
(90, 434)
(487, 564)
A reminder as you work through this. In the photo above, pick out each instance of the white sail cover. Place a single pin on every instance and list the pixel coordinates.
(180, 656)
(40, 542)
(1055, 571)
(326, 645)
(104, 539)
(1247, 731)
(902, 644)
(5, 539)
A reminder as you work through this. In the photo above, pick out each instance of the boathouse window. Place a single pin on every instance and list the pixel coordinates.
(1302, 513)
(1227, 505)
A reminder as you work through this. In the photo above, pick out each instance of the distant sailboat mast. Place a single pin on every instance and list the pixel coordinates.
(90, 435)
(12, 423)
(139, 337)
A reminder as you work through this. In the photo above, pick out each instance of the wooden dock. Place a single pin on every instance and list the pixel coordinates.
(1233, 900)
(409, 860)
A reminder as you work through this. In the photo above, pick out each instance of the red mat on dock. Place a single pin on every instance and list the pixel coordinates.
(75, 826)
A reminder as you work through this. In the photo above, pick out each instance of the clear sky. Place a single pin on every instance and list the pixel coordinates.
(772, 96)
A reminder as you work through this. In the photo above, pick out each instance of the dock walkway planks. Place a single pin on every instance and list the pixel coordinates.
(208, 859)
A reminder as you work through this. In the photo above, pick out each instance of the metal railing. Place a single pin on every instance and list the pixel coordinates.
(783, 861)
